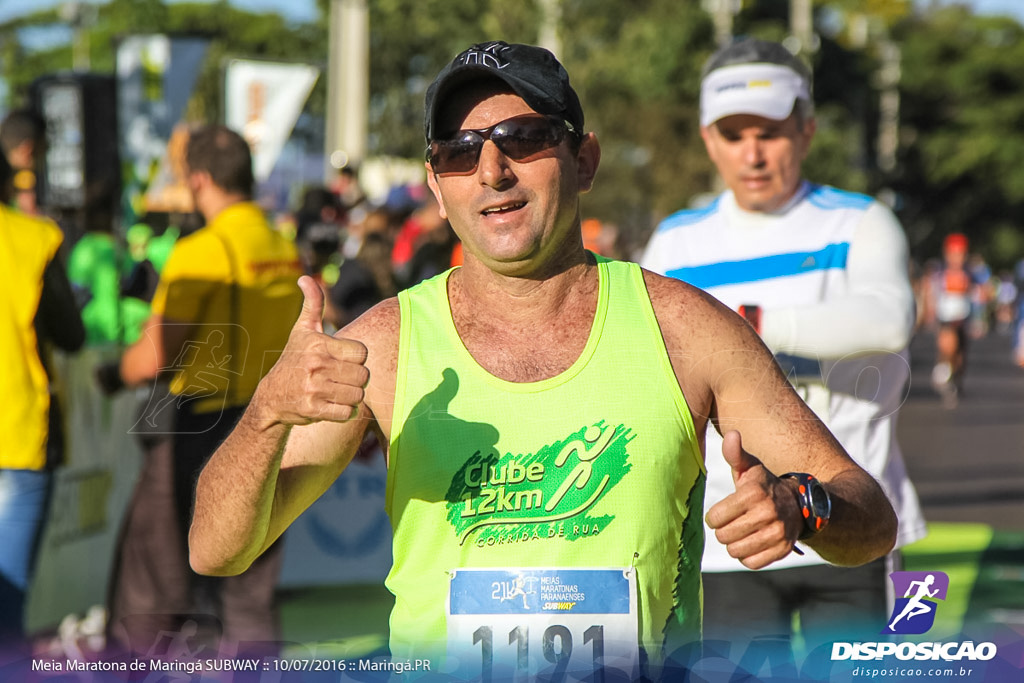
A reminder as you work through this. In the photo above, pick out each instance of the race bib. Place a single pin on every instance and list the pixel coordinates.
(516, 624)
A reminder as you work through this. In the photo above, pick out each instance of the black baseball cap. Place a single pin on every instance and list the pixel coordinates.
(532, 72)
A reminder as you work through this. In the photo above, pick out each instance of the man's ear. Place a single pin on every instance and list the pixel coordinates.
(588, 159)
(705, 135)
(432, 184)
(197, 180)
(808, 131)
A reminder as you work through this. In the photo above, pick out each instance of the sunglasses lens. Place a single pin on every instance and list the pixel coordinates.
(458, 155)
(519, 139)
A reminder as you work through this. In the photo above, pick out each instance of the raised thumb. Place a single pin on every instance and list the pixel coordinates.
(739, 460)
(312, 314)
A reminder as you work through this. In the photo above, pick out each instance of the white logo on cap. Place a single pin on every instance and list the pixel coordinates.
(488, 55)
(768, 90)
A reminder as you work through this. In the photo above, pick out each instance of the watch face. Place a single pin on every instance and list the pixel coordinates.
(820, 500)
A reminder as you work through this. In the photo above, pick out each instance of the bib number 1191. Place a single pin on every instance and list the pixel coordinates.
(552, 624)
(556, 646)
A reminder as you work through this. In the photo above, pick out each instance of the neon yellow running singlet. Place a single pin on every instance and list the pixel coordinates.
(598, 466)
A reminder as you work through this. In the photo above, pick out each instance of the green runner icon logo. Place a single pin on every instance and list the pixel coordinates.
(547, 494)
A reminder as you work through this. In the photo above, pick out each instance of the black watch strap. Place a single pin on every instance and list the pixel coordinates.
(815, 503)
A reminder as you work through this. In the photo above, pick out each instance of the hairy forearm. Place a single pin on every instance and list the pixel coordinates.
(232, 524)
(862, 526)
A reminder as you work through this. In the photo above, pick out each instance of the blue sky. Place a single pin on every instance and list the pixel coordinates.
(295, 10)
(305, 10)
(1011, 7)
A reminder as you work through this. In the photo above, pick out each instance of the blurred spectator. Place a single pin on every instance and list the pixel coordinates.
(94, 269)
(318, 225)
(1018, 327)
(375, 254)
(433, 253)
(365, 277)
(376, 242)
(114, 285)
(423, 228)
(37, 310)
(403, 199)
(925, 302)
(147, 254)
(220, 317)
(982, 296)
(600, 237)
(1005, 298)
(353, 293)
(951, 295)
(457, 255)
(378, 221)
(347, 189)
(319, 205)
(23, 142)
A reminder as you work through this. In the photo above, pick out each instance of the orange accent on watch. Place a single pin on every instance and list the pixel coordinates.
(813, 499)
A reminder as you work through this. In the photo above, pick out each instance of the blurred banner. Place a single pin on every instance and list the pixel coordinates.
(343, 538)
(262, 101)
(155, 78)
(80, 160)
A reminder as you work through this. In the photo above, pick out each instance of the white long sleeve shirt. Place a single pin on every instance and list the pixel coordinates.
(829, 271)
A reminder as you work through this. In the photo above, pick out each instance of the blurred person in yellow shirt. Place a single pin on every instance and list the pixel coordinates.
(219, 320)
(37, 310)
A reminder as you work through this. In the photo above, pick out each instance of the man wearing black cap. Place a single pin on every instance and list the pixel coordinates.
(542, 409)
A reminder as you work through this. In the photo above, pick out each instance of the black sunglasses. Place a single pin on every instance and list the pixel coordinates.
(518, 138)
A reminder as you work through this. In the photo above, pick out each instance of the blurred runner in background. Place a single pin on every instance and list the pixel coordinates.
(821, 274)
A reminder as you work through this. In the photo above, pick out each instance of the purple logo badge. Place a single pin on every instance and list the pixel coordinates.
(916, 596)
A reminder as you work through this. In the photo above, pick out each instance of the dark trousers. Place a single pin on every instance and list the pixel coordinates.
(158, 605)
(751, 613)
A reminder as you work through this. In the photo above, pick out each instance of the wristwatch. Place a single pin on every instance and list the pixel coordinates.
(815, 504)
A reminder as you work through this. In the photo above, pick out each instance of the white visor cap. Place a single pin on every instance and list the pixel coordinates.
(767, 90)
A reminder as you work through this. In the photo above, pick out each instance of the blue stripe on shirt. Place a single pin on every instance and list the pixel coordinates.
(688, 216)
(827, 197)
(764, 268)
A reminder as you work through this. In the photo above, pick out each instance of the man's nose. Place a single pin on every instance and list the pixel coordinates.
(493, 166)
(753, 152)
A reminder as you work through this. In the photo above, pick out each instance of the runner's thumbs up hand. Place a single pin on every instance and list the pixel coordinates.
(318, 377)
(311, 317)
(760, 520)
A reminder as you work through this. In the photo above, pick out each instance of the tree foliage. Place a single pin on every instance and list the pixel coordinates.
(963, 100)
(410, 40)
(636, 66)
(233, 32)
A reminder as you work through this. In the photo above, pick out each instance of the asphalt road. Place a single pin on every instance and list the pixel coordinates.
(967, 462)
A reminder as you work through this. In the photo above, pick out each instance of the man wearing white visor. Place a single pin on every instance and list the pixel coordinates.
(821, 274)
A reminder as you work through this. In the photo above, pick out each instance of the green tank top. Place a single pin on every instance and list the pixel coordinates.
(598, 466)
